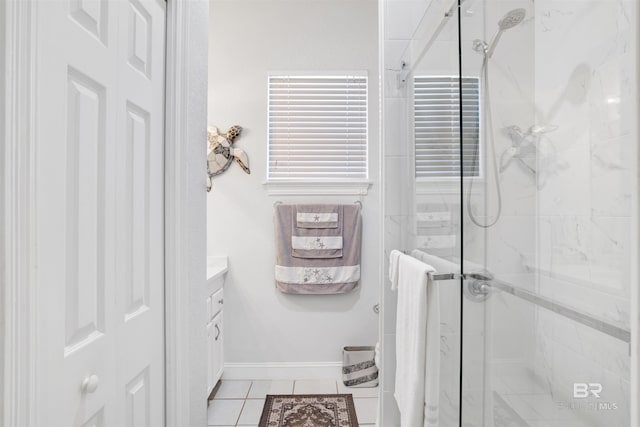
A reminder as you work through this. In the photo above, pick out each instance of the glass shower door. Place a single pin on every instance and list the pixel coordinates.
(422, 167)
(511, 156)
(547, 212)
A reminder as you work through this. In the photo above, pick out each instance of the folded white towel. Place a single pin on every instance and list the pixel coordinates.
(411, 338)
(394, 256)
(432, 365)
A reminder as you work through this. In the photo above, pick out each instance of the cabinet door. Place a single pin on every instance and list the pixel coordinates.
(218, 339)
(210, 373)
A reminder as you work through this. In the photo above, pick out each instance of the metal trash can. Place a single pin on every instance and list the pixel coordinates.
(359, 367)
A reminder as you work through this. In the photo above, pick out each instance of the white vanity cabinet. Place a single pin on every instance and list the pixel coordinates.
(216, 272)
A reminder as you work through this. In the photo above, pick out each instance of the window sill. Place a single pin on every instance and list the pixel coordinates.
(317, 188)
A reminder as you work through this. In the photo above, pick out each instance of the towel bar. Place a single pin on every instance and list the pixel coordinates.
(278, 202)
(457, 276)
(478, 286)
(446, 276)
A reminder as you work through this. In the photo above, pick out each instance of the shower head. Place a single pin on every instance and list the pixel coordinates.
(510, 20)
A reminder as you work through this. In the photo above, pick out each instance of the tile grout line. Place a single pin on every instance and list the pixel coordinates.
(244, 402)
(240, 413)
(249, 390)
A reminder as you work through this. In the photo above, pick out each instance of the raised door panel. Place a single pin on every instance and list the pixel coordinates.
(138, 405)
(96, 420)
(91, 15)
(140, 44)
(135, 205)
(84, 244)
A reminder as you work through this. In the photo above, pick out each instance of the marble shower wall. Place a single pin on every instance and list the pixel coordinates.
(585, 193)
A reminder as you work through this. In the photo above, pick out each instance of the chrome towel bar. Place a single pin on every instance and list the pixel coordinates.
(445, 276)
(458, 276)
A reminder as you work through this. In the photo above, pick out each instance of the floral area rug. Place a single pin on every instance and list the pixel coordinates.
(309, 410)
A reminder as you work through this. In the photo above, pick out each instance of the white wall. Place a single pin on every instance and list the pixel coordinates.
(248, 39)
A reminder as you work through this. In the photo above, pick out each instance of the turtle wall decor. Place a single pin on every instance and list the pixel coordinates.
(220, 152)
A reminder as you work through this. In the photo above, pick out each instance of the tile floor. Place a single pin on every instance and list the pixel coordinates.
(239, 402)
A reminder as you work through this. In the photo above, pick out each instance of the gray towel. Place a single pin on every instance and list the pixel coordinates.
(325, 242)
(317, 276)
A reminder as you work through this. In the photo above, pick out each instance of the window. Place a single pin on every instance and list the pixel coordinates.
(437, 127)
(317, 128)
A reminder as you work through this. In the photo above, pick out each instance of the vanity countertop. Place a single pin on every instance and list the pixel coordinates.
(217, 266)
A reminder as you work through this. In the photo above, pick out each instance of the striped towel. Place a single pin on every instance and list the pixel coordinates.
(319, 242)
(318, 216)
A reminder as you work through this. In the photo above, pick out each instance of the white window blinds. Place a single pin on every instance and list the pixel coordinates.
(317, 127)
(437, 126)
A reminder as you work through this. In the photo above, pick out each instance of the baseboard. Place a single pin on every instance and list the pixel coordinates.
(282, 371)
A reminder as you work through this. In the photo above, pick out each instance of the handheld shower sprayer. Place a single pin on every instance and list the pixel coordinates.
(510, 20)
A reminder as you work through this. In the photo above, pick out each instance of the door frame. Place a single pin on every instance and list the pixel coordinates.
(185, 212)
(17, 227)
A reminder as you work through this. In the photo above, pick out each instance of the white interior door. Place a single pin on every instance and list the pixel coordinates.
(100, 213)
